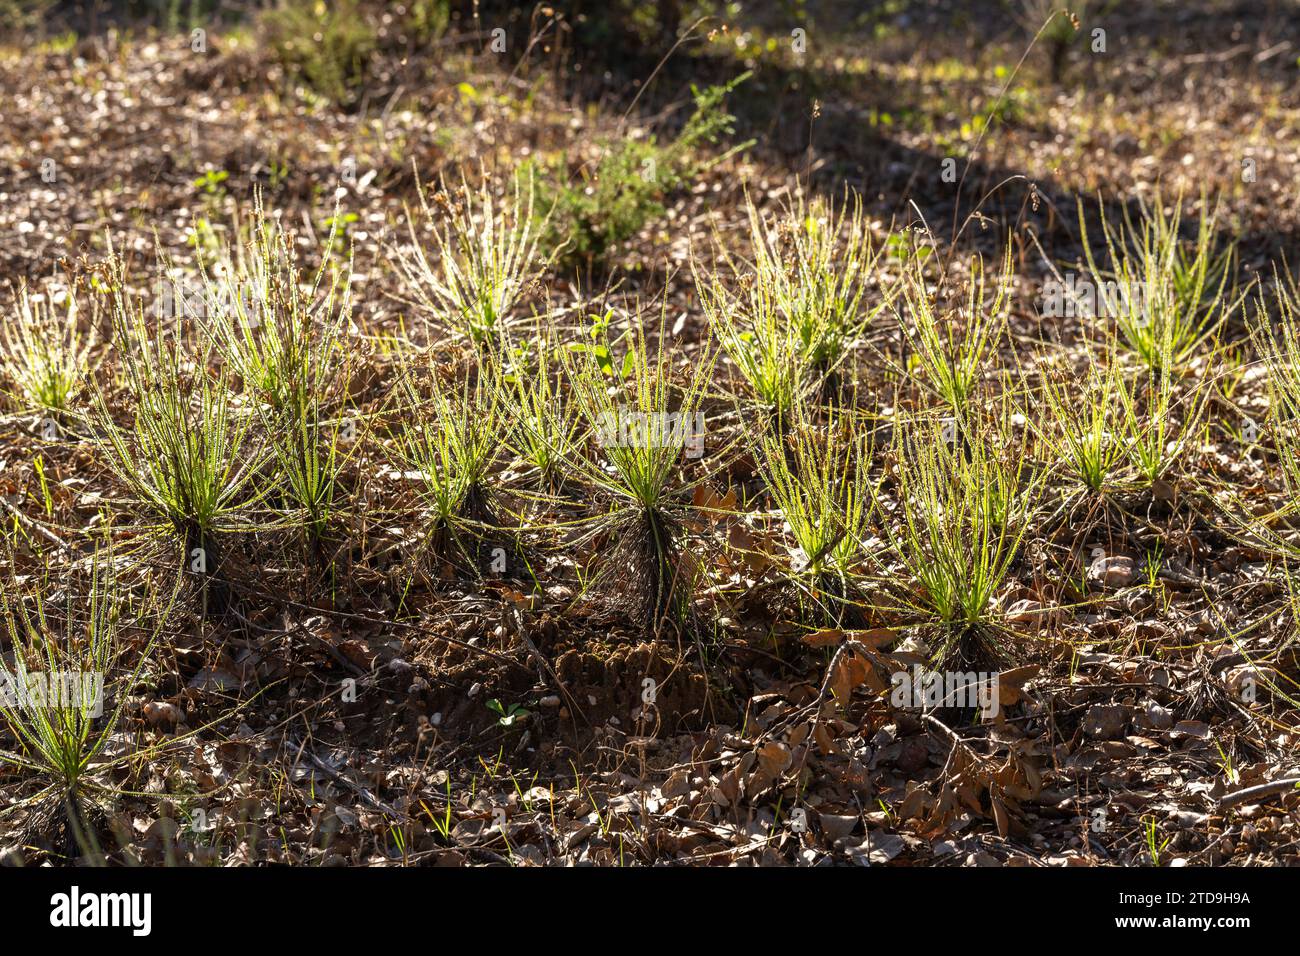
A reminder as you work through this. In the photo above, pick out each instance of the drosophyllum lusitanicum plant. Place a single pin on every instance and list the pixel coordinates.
(61, 729)
(1112, 423)
(643, 405)
(1279, 344)
(790, 318)
(817, 475)
(45, 352)
(956, 520)
(954, 343)
(533, 389)
(1075, 414)
(450, 442)
(1168, 295)
(284, 331)
(475, 278)
(188, 455)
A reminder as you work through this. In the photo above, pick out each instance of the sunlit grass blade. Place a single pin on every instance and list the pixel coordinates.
(828, 271)
(755, 335)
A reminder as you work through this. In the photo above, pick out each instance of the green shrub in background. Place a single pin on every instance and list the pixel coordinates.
(427, 20)
(325, 46)
(19, 15)
(626, 189)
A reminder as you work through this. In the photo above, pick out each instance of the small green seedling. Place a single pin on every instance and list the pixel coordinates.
(1155, 846)
(507, 716)
(1155, 560)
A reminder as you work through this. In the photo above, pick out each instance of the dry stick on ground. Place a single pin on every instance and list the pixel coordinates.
(820, 703)
(793, 718)
(289, 630)
(517, 627)
(302, 749)
(1262, 790)
(37, 526)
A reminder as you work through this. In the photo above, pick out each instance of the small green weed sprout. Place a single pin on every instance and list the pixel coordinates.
(1158, 422)
(756, 337)
(829, 266)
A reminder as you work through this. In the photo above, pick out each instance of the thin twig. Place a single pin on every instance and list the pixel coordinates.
(1272, 789)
